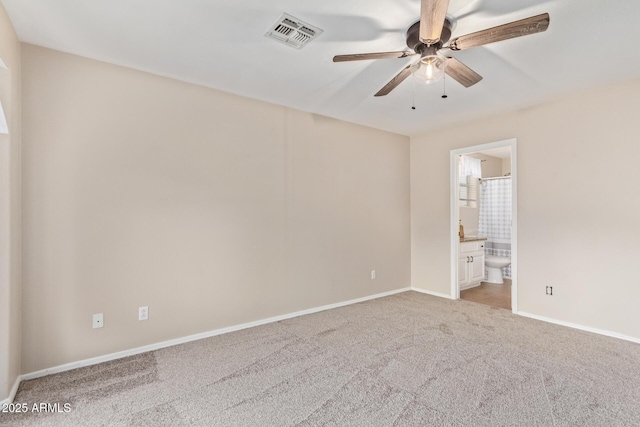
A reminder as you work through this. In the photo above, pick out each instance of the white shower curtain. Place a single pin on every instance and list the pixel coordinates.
(495, 210)
(495, 218)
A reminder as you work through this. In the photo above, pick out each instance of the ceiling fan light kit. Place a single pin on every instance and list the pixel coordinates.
(429, 69)
(429, 35)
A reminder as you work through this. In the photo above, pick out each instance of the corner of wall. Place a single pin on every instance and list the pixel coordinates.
(10, 223)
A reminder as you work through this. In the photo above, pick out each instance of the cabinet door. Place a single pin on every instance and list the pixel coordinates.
(463, 270)
(476, 270)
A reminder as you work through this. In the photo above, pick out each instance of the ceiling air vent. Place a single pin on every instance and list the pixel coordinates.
(293, 32)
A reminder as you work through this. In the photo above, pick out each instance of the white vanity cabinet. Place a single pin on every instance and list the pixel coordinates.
(470, 263)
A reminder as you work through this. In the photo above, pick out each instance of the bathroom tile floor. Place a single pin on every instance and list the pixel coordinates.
(490, 294)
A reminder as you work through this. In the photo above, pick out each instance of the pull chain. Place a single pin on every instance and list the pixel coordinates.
(413, 94)
(444, 86)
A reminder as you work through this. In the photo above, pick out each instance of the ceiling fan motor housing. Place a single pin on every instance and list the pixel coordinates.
(413, 39)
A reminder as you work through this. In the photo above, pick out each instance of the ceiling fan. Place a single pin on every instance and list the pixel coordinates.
(429, 35)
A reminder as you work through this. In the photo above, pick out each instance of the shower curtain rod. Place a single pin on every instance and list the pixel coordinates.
(496, 177)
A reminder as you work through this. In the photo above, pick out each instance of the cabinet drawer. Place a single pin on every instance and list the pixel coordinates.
(471, 246)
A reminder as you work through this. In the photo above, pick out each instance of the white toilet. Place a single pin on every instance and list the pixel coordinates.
(494, 265)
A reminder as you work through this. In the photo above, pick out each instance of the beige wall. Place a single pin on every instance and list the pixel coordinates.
(582, 239)
(210, 208)
(9, 209)
(506, 166)
(492, 166)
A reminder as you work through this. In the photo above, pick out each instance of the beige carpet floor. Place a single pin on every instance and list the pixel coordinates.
(405, 360)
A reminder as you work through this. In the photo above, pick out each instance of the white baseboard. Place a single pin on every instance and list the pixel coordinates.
(12, 393)
(435, 294)
(195, 337)
(581, 327)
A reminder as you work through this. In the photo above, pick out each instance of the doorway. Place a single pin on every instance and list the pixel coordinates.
(500, 164)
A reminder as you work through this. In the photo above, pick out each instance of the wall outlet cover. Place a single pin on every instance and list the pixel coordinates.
(143, 313)
(98, 320)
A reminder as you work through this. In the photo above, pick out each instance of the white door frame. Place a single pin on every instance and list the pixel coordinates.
(455, 215)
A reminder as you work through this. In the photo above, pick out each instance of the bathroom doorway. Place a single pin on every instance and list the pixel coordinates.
(484, 260)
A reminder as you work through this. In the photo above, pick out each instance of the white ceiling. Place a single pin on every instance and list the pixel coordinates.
(500, 152)
(221, 44)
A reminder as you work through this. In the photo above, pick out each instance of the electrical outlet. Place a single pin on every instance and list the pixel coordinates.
(373, 274)
(143, 313)
(98, 320)
(549, 290)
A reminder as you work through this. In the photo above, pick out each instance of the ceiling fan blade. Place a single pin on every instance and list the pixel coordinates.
(377, 55)
(461, 73)
(524, 27)
(432, 15)
(399, 78)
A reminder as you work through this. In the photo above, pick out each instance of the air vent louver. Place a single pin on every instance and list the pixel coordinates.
(293, 32)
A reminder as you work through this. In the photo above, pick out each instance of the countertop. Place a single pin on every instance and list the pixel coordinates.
(471, 238)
